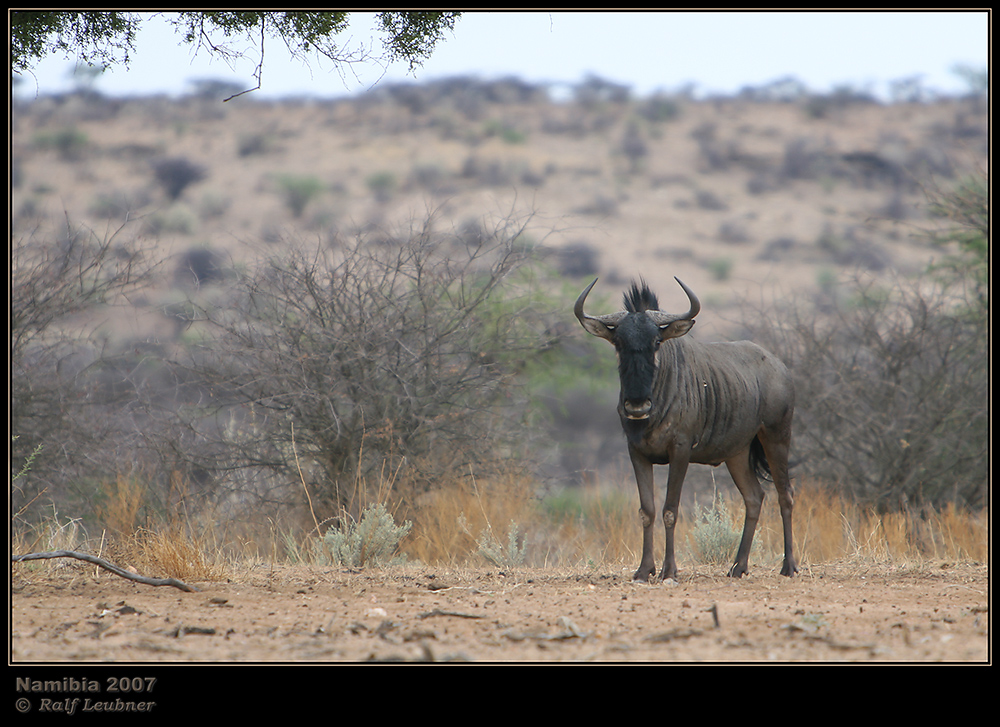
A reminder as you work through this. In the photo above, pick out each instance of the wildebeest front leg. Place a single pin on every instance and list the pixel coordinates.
(675, 481)
(753, 497)
(647, 512)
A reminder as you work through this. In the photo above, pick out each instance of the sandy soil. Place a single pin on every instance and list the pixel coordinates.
(832, 612)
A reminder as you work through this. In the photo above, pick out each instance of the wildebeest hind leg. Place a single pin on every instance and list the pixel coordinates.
(776, 451)
(753, 497)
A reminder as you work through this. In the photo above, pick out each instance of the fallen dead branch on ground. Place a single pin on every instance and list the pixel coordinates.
(107, 566)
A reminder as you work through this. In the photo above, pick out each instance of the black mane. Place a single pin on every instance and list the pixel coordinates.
(640, 299)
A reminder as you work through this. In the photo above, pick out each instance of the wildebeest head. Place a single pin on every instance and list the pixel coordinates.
(636, 334)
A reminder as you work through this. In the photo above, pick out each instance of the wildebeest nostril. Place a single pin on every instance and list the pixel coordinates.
(638, 409)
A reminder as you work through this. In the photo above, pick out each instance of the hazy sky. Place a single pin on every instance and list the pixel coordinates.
(717, 52)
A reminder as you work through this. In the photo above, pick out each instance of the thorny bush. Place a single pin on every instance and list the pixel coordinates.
(892, 394)
(336, 363)
(63, 388)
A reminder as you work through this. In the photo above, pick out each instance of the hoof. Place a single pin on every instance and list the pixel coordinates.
(642, 575)
(789, 569)
(738, 571)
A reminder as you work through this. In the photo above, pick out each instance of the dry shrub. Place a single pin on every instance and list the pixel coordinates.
(134, 535)
(892, 387)
(329, 362)
(64, 397)
(47, 535)
(960, 535)
(592, 527)
(597, 527)
(949, 534)
(817, 522)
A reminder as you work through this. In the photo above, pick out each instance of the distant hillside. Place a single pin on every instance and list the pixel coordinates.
(773, 196)
(737, 196)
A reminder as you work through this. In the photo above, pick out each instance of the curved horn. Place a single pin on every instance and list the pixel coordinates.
(601, 326)
(695, 304)
(578, 308)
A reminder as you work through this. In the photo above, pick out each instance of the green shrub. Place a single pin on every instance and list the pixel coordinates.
(501, 555)
(720, 267)
(382, 185)
(70, 143)
(298, 191)
(716, 537)
(965, 210)
(176, 220)
(27, 462)
(507, 133)
(372, 541)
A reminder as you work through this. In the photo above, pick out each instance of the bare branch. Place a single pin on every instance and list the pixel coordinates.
(107, 566)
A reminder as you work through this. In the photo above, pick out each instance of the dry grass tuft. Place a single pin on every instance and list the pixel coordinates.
(591, 525)
(171, 553)
(447, 521)
(122, 504)
(53, 533)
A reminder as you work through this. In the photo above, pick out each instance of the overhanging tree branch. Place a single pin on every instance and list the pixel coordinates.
(108, 38)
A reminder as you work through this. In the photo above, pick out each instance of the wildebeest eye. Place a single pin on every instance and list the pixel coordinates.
(609, 327)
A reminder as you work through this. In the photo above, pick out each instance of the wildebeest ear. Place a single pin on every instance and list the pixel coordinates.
(602, 326)
(675, 329)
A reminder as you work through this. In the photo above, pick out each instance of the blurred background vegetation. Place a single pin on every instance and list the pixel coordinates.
(432, 368)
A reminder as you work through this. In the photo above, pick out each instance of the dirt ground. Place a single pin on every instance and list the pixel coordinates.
(830, 613)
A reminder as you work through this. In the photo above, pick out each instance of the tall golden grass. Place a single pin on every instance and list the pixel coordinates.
(591, 527)
(829, 527)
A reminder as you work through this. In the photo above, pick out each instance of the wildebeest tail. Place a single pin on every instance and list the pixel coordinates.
(758, 460)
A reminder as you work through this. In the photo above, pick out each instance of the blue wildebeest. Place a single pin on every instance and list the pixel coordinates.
(683, 401)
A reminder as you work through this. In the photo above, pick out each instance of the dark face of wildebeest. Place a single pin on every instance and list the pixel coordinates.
(636, 334)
